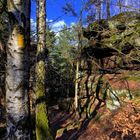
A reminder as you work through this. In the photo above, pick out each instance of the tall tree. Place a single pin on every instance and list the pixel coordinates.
(120, 3)
(42, 124)
(108, 8)
(17, 106)
(78, 29)
(97, 4)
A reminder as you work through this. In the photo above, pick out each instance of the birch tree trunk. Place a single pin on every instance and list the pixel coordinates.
(17, 106)
(42, 123)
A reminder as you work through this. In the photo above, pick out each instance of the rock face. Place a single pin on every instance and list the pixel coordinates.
(119, 36)
(112, 55)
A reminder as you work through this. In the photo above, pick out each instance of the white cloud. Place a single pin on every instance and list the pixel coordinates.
(57, 26)
(49, 20)
(33, 24)
(33, 29)
(72, 24)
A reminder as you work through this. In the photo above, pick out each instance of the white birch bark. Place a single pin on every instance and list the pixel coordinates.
(16, 74)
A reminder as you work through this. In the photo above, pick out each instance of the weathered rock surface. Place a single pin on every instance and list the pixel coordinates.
(119, 36)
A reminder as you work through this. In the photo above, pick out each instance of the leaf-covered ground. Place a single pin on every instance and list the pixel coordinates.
(120, 124)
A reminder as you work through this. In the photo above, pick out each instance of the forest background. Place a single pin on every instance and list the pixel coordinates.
(67, 66)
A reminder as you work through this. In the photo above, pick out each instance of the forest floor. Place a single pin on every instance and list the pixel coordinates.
(120, 124)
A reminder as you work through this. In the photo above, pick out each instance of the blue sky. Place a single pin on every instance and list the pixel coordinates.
(54, 10)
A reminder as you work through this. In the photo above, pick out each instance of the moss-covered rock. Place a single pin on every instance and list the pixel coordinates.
(116, 29)
(119, 34)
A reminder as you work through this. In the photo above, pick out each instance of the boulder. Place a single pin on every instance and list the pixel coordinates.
(118, 36)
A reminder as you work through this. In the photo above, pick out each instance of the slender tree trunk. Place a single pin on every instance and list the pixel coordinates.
(108, 8)
(98, 5)
(99, 11)
(79, 30)
(17, 106)
(27, 58)
(42, 124)
(120, 5)
(37, 17)
(76, 84)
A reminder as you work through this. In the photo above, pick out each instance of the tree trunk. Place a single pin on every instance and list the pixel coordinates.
(98, 5)
(108, 8)
(42, 124)
(76, 85)
(79, 30)
(120, 5)
(17, 106)
(37, 17)
(99, 11)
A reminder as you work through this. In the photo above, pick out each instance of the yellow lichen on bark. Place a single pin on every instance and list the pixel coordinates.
(20, 40)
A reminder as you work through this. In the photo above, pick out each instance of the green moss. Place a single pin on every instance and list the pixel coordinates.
(42, 125)
(137, 41)
(115, 38)
(132, 23)
(133, 78)
(112, 24)
(137, 27)
(97, 24)
(128, 32)
(125, 16)
(119, 38)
